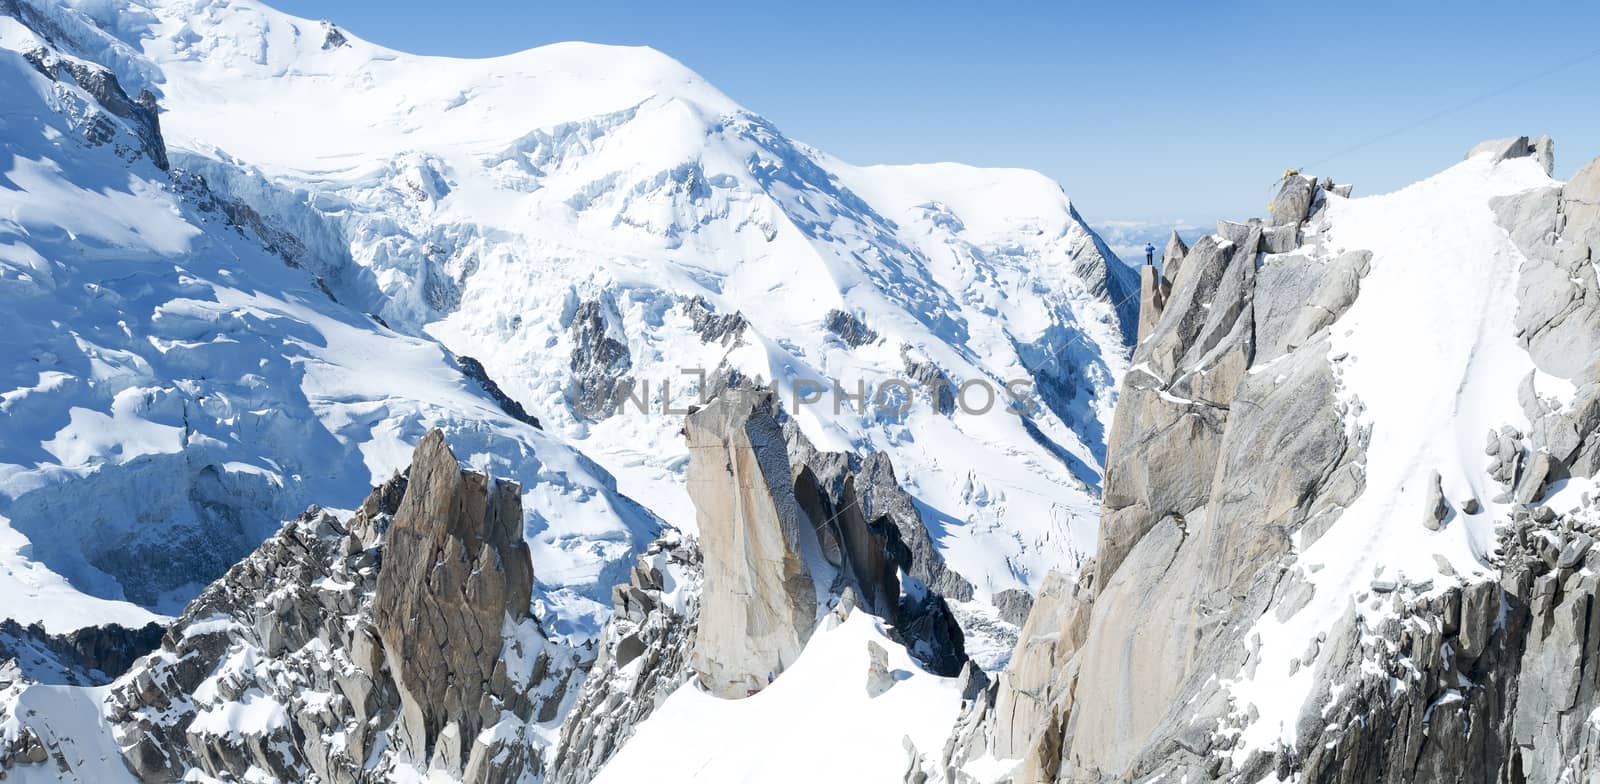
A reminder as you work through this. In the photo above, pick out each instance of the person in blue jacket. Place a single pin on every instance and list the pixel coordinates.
(1149, 253)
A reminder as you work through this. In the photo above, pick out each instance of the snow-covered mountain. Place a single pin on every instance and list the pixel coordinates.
(250, 260)
(251, 263)
(571, 216)
(178, 384)
(582, 220)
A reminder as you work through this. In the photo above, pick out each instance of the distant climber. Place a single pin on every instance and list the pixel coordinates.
(1149, 254)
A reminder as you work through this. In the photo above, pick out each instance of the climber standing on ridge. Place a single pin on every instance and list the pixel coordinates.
(1149, 254)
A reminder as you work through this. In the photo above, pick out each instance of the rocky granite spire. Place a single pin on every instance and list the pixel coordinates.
(343, 650)
(785, 530)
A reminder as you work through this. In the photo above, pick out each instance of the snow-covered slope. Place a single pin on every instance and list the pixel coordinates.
(174, 390)
(567, 214)
(1429, 360)
(838, 725)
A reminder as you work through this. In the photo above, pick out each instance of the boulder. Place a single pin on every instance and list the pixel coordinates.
(1542, 148)
(1437, 508)
(1292, 204)
(1502, 149)
(1280, 239)
(879, 677)
(1235, 232)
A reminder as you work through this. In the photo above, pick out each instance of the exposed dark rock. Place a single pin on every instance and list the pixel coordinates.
(334, 38)
(91, 656)
(101, 84)
(599, 362)
(714, 327)
(242, 217)
(848, 328)
(932, 379)
(930, 632)
(474, 370)
(363, 647)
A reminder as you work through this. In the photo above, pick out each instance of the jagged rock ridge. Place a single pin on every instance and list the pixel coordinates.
(1238, 446)
(351, 649)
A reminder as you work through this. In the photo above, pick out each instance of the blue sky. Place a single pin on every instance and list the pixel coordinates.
(1149, 111)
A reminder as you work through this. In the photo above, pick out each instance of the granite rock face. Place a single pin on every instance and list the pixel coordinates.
(455, 573)
(786, 530)
(1487, 677)
(347, 650)
(761, 598)
(787, 534)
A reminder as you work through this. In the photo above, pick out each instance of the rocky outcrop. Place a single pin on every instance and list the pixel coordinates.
(787, 533)
(140, 114)
(643, 657)
(848, 328)
(474, 370)
(456, 574)
(761, 598)
(333, 37)
(1210, 498)
(1486, 682)
(1541, 148)
(1021, 714)
(1172, 257)
(859, 493)
(600, 361)
(1014, 605)
(90, 656)
(1296, 194)
(711, 326)
(1558, 314)
(1153, 293)
(342, 650)
(786, 530)
(1149, 630)
(940, 387)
